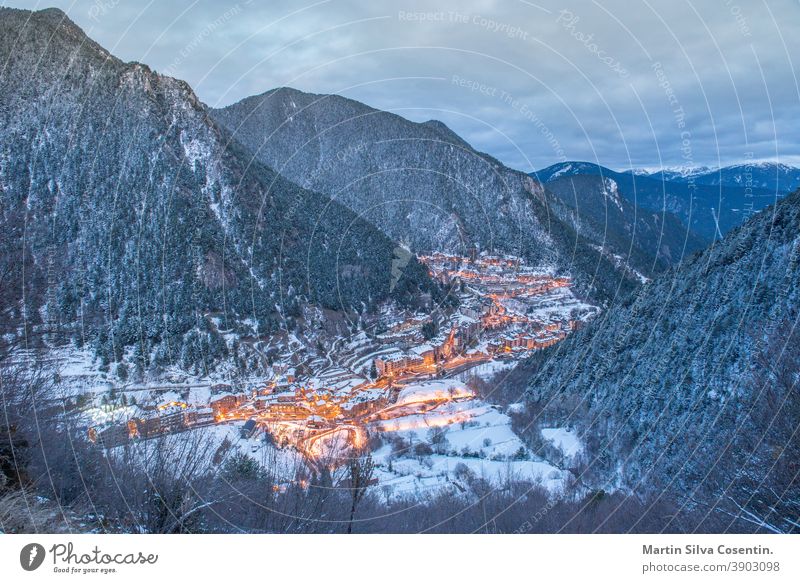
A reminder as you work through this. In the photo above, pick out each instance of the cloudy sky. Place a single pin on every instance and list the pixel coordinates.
(621, 83)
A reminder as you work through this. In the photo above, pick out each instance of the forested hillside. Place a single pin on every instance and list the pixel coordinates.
(651, 241)
(421, 184)
(127, 214)
(690, 388)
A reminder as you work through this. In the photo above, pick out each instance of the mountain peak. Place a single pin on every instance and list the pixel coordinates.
(52, 12)
(570, 168)
(48, 32)
(443, 129)
(54, 17)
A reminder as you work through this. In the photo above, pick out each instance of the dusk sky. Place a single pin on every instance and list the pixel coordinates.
(619, 83)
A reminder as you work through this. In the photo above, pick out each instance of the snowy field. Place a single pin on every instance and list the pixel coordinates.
(564, 439)
(456, 443)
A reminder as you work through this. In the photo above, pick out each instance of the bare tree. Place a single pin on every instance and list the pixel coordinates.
(24, 512)
(360, 469)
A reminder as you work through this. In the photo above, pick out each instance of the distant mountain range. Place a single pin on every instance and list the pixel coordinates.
(710, 202)
(772, 176)
(652, 240)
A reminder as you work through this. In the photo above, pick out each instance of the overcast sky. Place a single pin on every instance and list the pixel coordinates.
(620, 83)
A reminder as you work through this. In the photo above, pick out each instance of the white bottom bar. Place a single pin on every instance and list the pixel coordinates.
(397, 558)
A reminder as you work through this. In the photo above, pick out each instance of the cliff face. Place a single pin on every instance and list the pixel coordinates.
(141, 214)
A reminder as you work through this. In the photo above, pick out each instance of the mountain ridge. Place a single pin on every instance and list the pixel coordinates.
(709, 210)
(413, 181)
(654, 240)
(702, 360)
(141, 212)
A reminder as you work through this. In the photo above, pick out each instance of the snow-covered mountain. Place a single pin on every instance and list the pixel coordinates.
(779, 178)
(422, 184)
(690, 388)
(763, 175)
(709, 209)
(128, 213)
(653, 241)
(676, 173)
(568, 169)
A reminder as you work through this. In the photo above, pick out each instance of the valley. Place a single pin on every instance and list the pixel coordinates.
(287, 311)
(405, 381)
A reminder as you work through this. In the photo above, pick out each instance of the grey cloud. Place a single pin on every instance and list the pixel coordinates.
(563, 68)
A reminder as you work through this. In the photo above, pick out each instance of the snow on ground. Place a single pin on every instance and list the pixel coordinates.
(104, 416)
(487, 370)
(432, 390)
(410, 478)
(477, 440)
(555, 305)
(516, 408)
(361, 361)
(220, 443)
(564, 439)
(199, 395)
(346, 386)
(469, 426)
(76, 363)
(365, 395)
